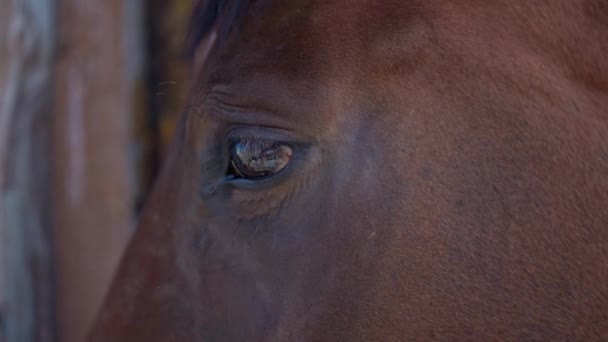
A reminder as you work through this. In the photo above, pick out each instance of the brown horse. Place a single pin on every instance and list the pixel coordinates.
(380, 170)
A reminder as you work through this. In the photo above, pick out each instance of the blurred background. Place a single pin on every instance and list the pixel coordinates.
(89, 95)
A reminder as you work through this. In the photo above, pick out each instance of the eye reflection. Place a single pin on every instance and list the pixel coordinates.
(252, 158)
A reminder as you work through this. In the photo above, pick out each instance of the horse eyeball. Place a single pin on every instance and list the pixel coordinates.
(256, 158)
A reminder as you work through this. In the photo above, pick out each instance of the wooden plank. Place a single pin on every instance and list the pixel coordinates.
(93, 187)
(26, 281)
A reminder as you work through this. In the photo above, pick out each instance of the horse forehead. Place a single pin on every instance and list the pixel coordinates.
(321, 38)
(356, 16)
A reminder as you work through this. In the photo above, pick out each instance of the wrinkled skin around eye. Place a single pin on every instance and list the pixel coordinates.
(255, 158)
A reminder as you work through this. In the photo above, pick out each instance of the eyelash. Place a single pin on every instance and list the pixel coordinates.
(251, 142)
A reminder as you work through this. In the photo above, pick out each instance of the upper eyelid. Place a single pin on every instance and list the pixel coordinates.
(243, 114)
(255, 141)
(259, 132)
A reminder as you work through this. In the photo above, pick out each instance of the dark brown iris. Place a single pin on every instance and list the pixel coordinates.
(256, 158)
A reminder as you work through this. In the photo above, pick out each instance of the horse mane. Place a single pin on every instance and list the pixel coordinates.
(223, 15)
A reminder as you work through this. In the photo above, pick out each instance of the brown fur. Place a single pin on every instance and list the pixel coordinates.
(454, 184)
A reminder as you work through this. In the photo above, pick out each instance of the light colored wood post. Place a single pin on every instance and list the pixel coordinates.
(98, 66)
(27, 41)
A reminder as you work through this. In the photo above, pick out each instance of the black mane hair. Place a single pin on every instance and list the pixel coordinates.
(207, 14)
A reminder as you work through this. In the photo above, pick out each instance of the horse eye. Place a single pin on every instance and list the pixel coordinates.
(257, 159)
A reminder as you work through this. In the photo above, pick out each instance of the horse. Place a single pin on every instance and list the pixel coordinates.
(383, 170)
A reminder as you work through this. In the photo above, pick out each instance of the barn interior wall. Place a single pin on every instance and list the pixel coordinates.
(88, 104)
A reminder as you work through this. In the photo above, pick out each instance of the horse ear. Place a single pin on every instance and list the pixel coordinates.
(201, 52)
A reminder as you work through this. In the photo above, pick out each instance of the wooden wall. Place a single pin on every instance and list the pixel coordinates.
(27, 43)
(89, 95)
(92, 190)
